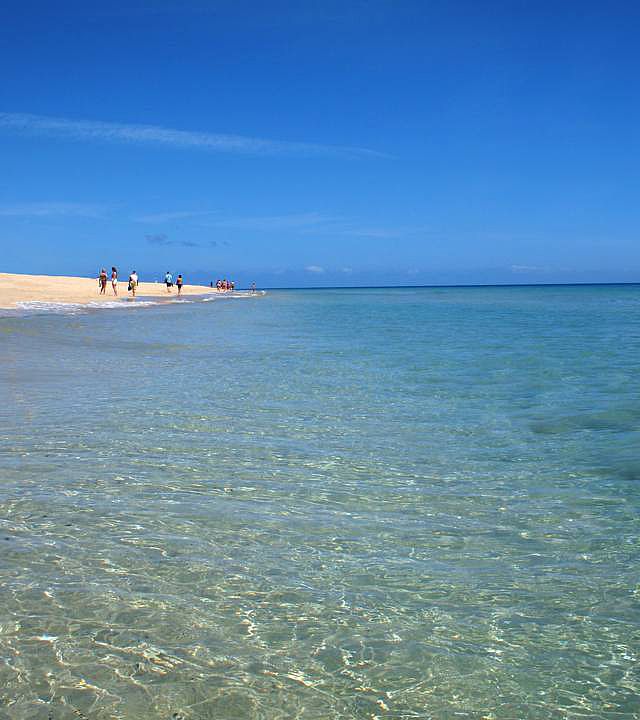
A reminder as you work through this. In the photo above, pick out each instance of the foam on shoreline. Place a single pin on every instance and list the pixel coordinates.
(39, 307)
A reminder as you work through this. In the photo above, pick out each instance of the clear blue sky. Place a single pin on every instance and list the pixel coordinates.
(321, 143)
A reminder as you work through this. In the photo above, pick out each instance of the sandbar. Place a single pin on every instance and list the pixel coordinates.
(17, 288)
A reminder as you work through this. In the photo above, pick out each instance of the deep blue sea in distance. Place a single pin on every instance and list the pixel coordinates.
(342, 503)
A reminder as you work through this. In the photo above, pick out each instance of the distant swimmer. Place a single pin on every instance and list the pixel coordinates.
(168, 280)
(102, 281)
(114, 280)
(253, 288)
(133, 282)
(179, 284)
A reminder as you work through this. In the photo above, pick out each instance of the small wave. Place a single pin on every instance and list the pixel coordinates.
(235, 296)
(122, 305)
(64, 308)
(71, 308)
(59, 308)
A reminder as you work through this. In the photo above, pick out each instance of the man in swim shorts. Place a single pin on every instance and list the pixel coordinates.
(168, 281)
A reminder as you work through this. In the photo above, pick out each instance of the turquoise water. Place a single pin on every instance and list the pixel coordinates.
(411, 503)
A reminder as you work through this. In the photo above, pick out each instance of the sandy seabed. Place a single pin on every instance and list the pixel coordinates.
(15, 289)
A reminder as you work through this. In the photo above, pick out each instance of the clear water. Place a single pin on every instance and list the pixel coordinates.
(412, 503)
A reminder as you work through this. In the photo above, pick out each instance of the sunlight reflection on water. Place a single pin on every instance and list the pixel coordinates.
(394, 504)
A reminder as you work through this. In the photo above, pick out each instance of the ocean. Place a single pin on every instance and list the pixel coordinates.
(369, 503)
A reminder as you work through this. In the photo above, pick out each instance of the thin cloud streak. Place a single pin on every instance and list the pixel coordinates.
(159, 218)
(98, 131)
(273, 222)
(162, 240)
(383, 233)
(379, 233)
(527, 268)
(308, 223)
(48, 209)
(291, 221)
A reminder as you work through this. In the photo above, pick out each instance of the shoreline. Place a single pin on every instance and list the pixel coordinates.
(18, 288)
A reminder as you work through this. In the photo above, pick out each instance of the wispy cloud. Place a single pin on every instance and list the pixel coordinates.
(162, 240)
(381, 233)
(98, 131)
(317, 269)
(526, 268)
(158, 239)
(273, 222)
(160, 218)
(203, 218)
(47, 209)
(307, 223)
(316, 223)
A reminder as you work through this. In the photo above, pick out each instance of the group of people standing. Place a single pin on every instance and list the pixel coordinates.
(221, 285)
(168, 281)
(103, 280)
(224, 285)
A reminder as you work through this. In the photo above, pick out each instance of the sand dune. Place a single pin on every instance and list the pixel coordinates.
(49, 288)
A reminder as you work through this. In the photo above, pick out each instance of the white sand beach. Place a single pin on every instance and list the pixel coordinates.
(17, 288)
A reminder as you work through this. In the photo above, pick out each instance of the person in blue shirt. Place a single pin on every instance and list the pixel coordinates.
(168, 279)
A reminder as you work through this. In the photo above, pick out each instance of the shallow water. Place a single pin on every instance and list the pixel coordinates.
(411, 503)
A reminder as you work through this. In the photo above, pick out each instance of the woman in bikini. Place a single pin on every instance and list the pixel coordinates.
(102, 281)
(114, 280)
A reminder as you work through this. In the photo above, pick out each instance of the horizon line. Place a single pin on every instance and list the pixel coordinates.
(462, 285)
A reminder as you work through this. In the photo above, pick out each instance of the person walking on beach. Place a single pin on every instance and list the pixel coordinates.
(102, 281)
(168, 280)
(114, 280)
(179, 284)
(133, 282)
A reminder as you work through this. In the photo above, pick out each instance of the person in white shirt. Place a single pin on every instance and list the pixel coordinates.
(133, 282)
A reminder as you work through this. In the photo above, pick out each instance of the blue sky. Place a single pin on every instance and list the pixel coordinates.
(322, 143)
